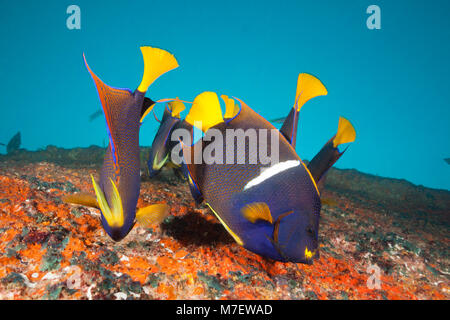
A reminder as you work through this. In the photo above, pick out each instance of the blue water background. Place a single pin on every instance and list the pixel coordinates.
(393, 83)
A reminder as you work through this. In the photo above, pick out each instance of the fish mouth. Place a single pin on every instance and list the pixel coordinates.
(152, 173)
(116, 234)
(307, 256)
(304, 255)
(304, 260)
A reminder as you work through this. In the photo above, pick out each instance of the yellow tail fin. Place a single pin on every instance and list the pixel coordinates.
(308, 87)
(176, 107)
(205, 111)
(153, 214)
(114, 216)
(156, 63)
(231, 108)
(345, 134)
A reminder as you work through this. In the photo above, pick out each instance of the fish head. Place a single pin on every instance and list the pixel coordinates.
(290, 229)
(298, 235)
(118, 209)
(161, 146)
(120, 226)
(116, 233)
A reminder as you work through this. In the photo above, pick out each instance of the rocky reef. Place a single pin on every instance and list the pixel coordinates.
(380, 239)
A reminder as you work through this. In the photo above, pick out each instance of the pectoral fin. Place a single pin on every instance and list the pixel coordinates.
(83, 199)
(257, 211)
(153, 214)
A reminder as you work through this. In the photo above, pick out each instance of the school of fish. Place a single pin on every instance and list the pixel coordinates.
(271, 208)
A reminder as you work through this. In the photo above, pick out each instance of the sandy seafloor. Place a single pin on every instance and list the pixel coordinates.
(52, 250)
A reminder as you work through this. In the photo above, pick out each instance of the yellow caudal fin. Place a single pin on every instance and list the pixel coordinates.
(156, 63)
(179, 108)
(231, 108)
(345, 134)
(176, 107)
(153, 214)
(83, 199)
(257, 211)
(205, 111)
(308, 87)
(114, 214)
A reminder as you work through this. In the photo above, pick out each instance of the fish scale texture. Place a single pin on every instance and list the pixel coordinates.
(122, 111)
(223, 185)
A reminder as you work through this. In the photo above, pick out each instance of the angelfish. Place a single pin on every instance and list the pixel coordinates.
(272, 211)
(117, 191)
(163, 144)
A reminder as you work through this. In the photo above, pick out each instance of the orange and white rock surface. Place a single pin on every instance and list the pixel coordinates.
(52, 250)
